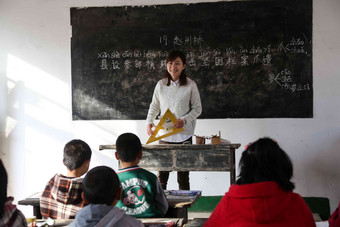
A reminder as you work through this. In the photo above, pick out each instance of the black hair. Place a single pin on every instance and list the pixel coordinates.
(264, 160)
(171, 57)
(128, 146)
(3, 188)
(100, 185)
(76, 152)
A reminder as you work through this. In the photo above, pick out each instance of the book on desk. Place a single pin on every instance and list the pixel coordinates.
(178, 198)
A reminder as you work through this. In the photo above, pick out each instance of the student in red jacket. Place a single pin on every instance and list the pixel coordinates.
(263, 194)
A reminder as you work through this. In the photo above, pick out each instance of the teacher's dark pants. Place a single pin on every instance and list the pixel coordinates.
(182, 176)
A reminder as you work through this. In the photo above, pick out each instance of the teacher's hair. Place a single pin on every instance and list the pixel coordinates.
(264, 160)
(171, 57)
(3, 188)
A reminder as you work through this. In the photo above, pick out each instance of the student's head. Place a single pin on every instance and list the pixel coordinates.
(101, 186)
(264, 160)
(128, 147)
(3, 188)
(77, 153)
(175, 65)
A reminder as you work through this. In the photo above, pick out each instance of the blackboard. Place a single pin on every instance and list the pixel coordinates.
(250, 59)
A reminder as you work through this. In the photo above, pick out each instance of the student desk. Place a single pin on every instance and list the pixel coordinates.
(33, 200)
(178, 206)
(179, 201)
(146, 221)
(188, 157)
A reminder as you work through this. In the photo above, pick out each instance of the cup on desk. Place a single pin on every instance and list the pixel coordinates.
(215, 140)
(200, 140)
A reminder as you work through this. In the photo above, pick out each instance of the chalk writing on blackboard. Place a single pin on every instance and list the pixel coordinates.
(150, 59)
(286, 81)
(179, 41)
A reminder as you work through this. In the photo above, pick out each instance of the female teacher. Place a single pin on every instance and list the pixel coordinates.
(180, 94)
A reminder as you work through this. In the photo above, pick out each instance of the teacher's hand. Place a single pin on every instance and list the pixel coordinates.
(149, 128)
(179, 124)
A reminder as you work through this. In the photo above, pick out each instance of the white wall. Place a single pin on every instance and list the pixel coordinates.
(36, 119)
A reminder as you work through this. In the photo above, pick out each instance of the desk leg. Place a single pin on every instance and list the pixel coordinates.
(233, 168)
(181, 212)
(36, 212)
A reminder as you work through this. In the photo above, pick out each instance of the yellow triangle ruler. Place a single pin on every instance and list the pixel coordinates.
(166, 123)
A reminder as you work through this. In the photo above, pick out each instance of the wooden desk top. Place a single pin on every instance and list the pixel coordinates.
(177, 146)
(174, 201)
(162, 221)
(30, 201)
(145, 221)
(187, 157)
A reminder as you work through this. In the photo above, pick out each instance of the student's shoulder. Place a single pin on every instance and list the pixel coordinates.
(59, 179)
(136, 172)
(148, 173)
(65, 178)
(56, 175)
(128, 220)
(124, 219)
(297, 199)
(295, 196)
(53, 179)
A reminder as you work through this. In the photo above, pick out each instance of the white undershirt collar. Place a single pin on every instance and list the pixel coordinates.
(175, 83)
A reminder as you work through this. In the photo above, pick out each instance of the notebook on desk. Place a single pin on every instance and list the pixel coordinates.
(182, 197)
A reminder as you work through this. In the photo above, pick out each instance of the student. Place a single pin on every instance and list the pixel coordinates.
(180, 94)
(61, 198)
(143, 195)
(262, 195)
(9, 214)
(101, 189)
